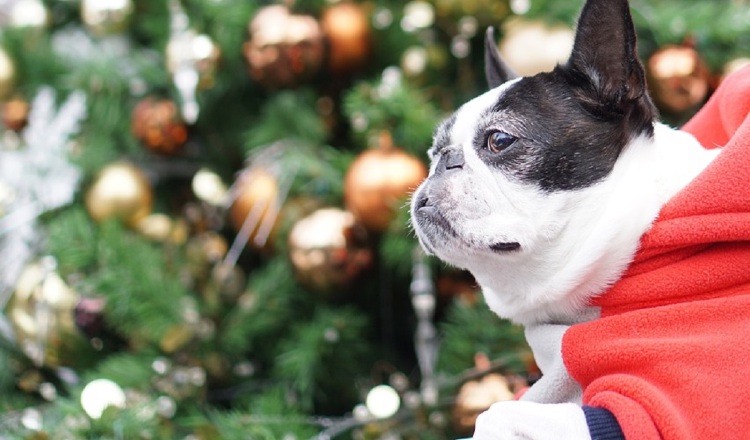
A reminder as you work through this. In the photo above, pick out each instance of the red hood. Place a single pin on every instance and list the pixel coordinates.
(669, 355)
(677, 258)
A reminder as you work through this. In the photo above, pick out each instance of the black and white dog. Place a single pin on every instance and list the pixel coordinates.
(542, 188)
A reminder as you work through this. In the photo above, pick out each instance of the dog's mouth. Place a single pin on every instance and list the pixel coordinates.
(505, 247)
(426, 212)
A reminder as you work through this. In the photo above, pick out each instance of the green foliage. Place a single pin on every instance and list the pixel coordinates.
(393, 105)
(471, 328)
(398, 242)
(288, 115)
(72, 240)
(264, 314)
(323, 349)
(268, 417)
(144, 295)
(129, 370)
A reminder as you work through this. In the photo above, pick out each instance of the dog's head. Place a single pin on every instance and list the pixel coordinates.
(518, 191)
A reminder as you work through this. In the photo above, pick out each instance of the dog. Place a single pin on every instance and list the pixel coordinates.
(542, 188)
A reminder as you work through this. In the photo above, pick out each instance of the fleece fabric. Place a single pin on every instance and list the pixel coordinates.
(670, 355)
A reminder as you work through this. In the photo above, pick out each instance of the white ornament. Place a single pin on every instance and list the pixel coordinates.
(99, 395)
(383, 401)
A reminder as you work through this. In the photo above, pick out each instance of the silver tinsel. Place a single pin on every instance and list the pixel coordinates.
(35, 177)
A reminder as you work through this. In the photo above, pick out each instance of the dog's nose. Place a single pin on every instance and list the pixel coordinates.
(451, 160)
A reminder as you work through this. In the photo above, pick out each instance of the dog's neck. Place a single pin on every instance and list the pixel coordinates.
(556, 282)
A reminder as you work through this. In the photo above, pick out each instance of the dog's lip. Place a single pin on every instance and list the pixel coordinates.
(505, 246)
(436, 218)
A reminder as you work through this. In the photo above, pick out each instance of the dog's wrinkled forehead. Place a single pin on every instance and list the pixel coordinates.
(463, 123)
(560, 144)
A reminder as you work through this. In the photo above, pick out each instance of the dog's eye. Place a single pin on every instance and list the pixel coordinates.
(498, 141)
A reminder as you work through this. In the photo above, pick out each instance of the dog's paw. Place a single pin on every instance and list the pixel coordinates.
(519, 420)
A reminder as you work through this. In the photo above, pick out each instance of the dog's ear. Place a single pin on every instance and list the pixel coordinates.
(496, 69)
(605, 54)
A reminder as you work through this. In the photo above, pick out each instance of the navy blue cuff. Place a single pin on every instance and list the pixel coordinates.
(602, 424)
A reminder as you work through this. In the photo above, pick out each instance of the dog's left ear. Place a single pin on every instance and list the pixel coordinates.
(605, 54)
(496, 69)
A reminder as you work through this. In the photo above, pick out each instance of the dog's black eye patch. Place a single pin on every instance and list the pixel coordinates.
(497, 141)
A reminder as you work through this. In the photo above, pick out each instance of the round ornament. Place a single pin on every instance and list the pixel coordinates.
(41, 311)
(157, 123)
(100, 394)
(383, 401)
(530, 47)
(255, 194)
(15, 114)
(284, 49)
(7, 74)
(347, 31)
(328, 250)
(106, 17)
(121, 191)
(378, 181)
(475, 397)
(678, 77)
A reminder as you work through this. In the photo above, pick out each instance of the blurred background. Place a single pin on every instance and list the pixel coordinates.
(203, 223)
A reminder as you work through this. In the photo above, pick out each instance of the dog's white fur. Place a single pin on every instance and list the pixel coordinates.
(574, 244)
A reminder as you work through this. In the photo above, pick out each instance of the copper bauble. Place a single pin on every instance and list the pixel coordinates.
(106, 17)
(328, 250)
(678, 78)
(255, 195)
(15, 114)
(157, 123)
(120, 190)
(347, 32)
(377, 183)
(41, 311)
(284, 49)
(475, 397)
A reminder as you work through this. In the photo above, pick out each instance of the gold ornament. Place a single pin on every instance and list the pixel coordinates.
(328, 250)
(347, 31)
(121, 191)
(208, 187)
(489, 11)
(255, 192)
(678, 77)
(530, 47)
(41, 311)
(378, 181)
(106, 17)
(162, 228)
(7, 74)
(157, 123)
(284, 49)
(477, 395)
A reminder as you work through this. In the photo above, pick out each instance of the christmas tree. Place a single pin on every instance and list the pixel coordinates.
(203, 223)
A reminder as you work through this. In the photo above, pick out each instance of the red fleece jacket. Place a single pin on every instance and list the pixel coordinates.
(670, 356)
